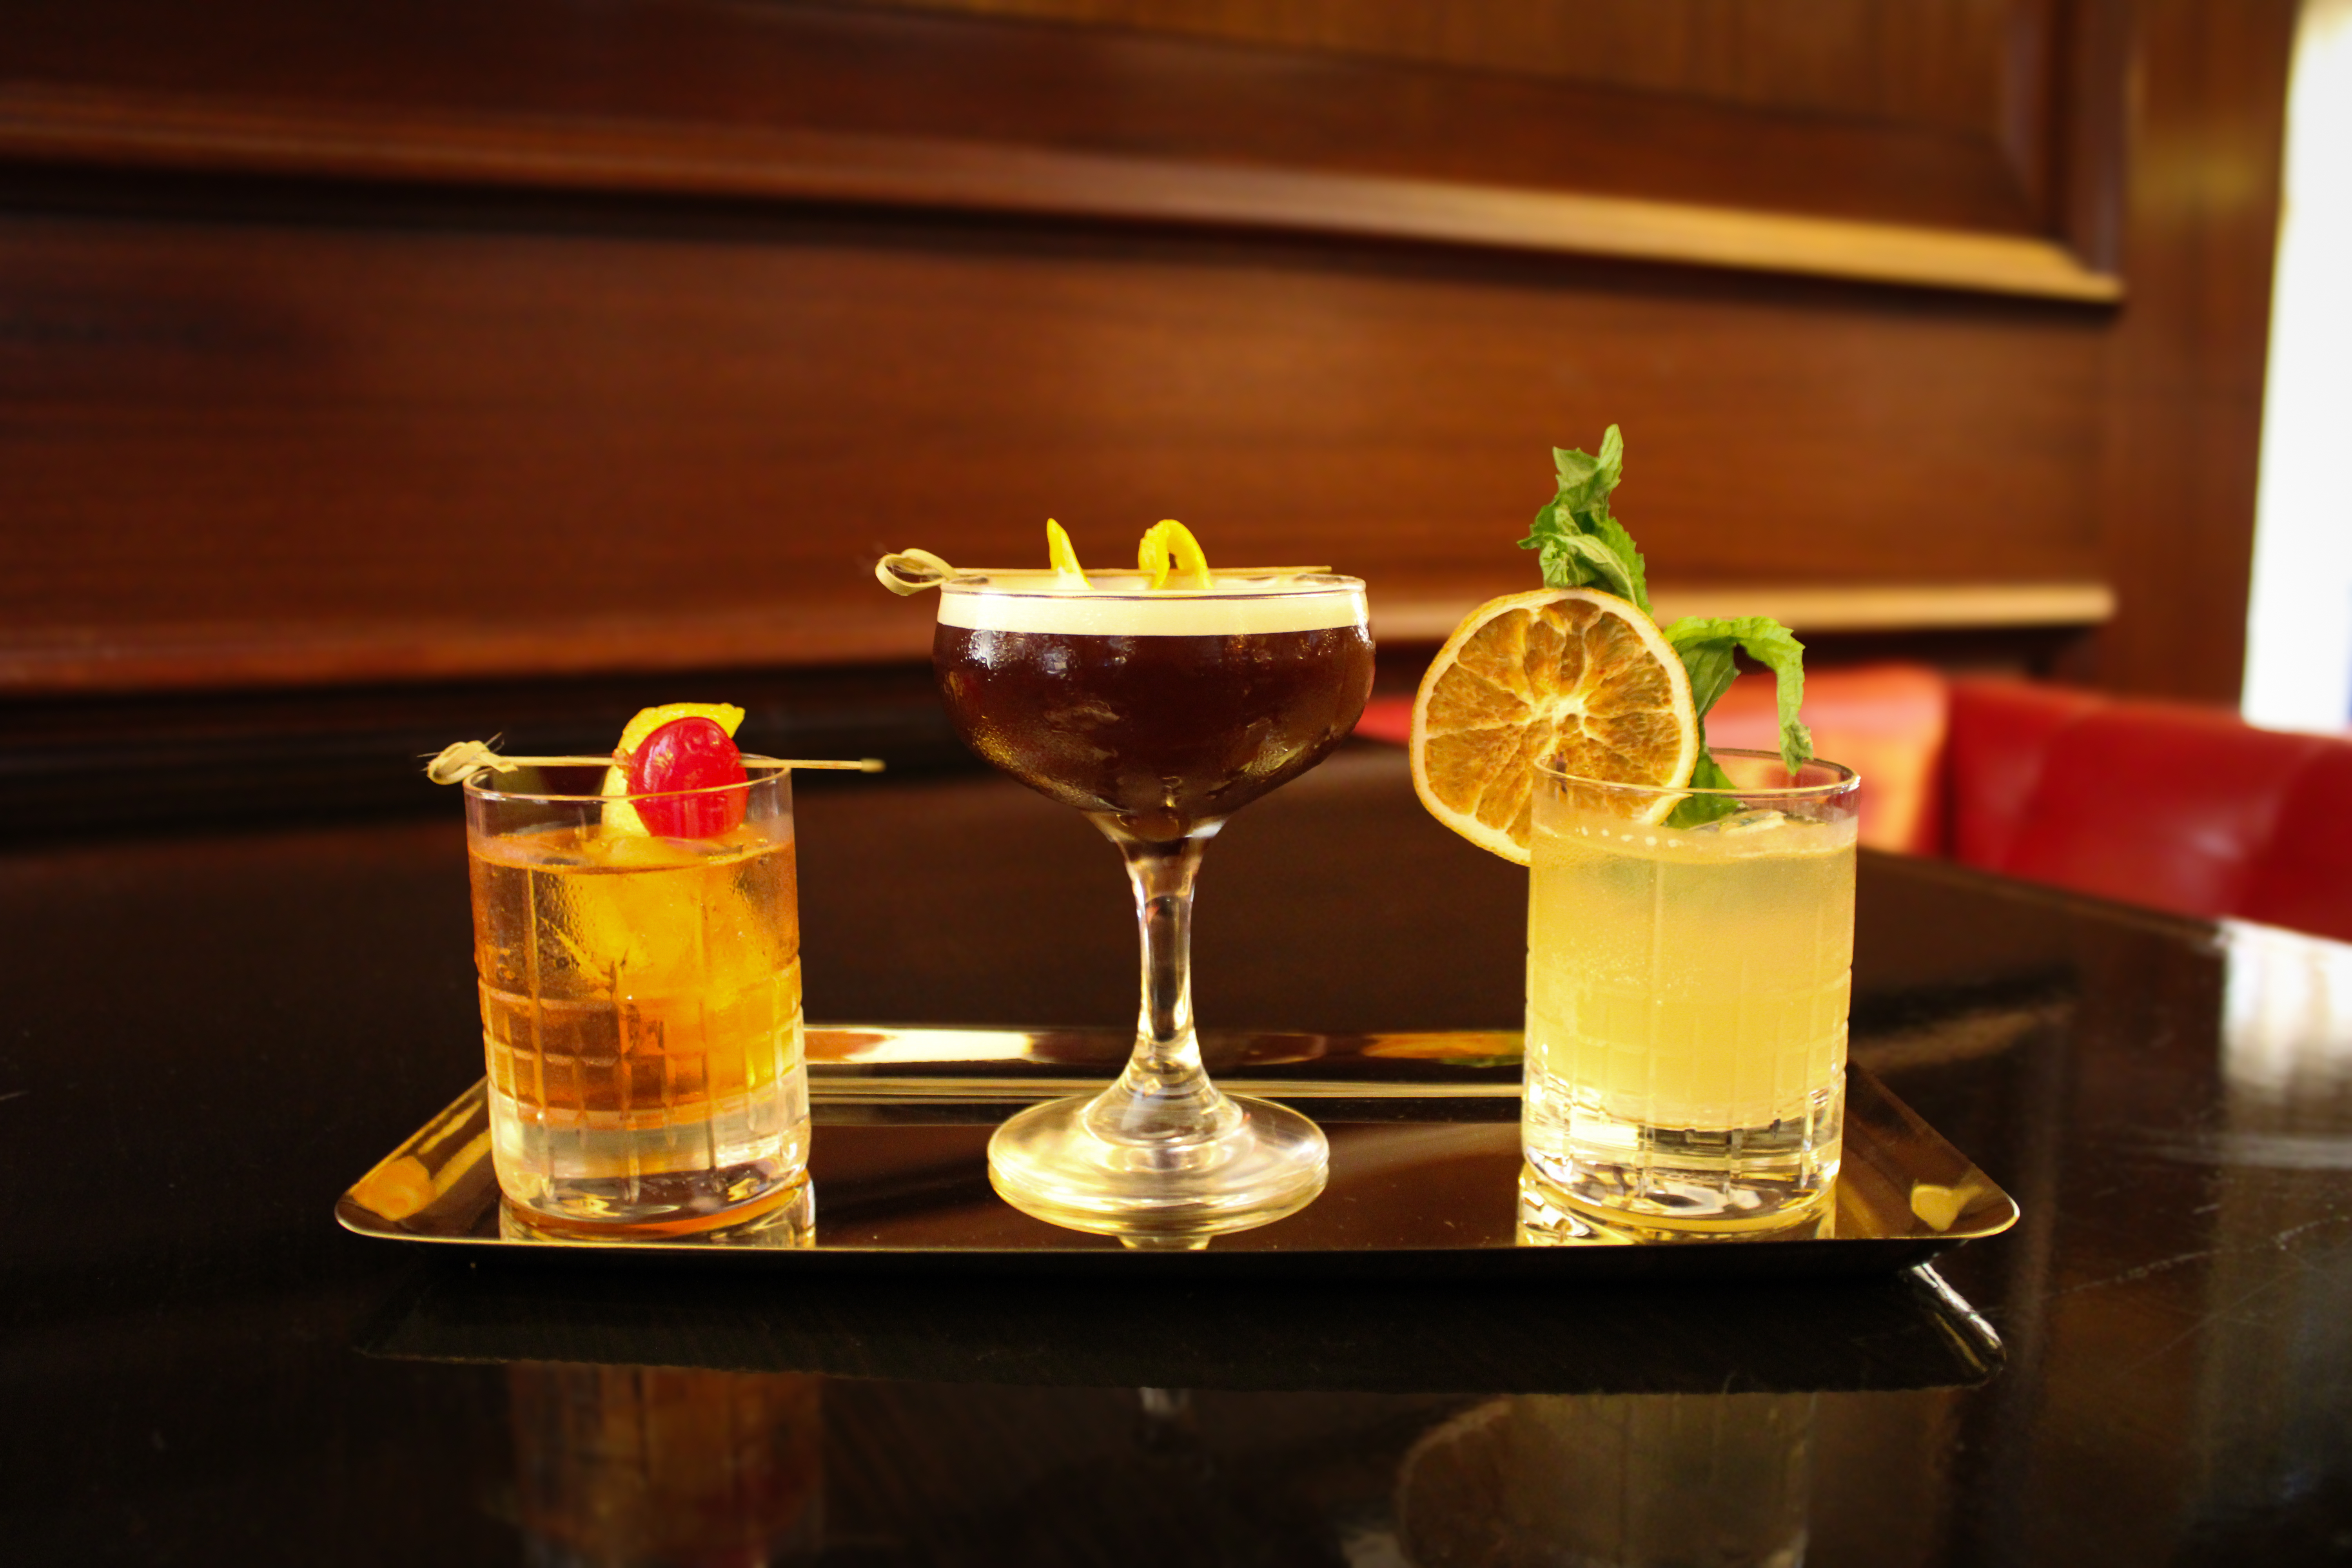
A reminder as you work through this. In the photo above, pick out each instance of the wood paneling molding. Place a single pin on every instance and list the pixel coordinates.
(1817, 607)
(243, 656)
(423, 341)
(184, 133)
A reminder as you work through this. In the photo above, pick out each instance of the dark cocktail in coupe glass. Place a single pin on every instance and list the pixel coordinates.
(1159, 713)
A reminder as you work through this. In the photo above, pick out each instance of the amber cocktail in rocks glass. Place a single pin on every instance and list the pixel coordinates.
(1158, 713)
(641, 999)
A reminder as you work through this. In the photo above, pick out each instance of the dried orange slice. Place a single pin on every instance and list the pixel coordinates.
(1571, 674)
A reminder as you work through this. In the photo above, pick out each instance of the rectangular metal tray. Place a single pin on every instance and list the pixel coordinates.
(1426, 1169)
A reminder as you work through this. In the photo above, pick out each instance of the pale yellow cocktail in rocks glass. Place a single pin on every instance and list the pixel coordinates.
(1687, 990)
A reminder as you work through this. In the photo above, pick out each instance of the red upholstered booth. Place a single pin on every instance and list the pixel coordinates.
(2180, 809)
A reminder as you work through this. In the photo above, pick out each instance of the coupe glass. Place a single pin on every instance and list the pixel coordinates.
(1157, 714)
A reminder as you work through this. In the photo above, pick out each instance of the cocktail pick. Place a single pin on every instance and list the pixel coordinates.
(464, 759)
(907, 571)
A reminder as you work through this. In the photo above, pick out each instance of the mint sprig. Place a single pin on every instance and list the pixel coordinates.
(1705, 644)
(1582, 545)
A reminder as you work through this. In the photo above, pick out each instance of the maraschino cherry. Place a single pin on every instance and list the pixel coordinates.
(687, 755)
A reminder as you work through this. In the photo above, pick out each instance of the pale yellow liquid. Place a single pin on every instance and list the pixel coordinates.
(1687, 981)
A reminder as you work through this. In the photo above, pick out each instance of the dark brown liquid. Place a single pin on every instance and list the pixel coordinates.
(1162, 733)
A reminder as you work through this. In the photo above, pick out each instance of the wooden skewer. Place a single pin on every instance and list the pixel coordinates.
(1132, 572)
(462, 761)
(905, 571)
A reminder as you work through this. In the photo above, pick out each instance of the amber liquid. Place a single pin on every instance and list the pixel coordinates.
(1160, 733)
(641, 1010)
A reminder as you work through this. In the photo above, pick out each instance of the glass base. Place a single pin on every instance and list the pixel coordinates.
(675, 1203)
(1720, 1178)
(1048, 1162)
(1551, 1216)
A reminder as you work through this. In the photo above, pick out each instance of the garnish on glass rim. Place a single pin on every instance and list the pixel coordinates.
(1580, 542)
(686, 752)
(1523, 678)
(463, 760)
(1169, 558)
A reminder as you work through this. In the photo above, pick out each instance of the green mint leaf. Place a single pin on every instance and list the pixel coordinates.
(1585, 479)
(1604, 565)
(1704, 641)
(1698, 810)
(1581, 544)
(1612, 533)
(1710, 666)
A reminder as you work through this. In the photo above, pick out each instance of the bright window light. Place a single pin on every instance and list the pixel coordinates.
(2299, 617)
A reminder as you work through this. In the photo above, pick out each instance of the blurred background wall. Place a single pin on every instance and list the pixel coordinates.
(377, 374)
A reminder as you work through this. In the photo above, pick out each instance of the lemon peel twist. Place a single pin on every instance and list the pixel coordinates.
(1064, 556)
(1170, 557)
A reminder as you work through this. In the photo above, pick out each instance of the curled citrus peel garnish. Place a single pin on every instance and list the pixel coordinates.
(1170, 557)
(1064, 557)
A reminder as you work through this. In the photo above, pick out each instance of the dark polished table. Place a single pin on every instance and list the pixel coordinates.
(207, 1035)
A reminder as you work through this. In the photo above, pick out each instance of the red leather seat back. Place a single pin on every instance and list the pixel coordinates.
(1997, 744)
(2180, 809)
(2161, 805)
(2306, 879)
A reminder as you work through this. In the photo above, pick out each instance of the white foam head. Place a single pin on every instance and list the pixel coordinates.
(1119, 604)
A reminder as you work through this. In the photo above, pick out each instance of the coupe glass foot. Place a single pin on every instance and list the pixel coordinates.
(1047, 1161)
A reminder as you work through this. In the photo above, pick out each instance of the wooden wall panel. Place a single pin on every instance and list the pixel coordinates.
(277, 451)
(776, 99)
(439, 340)
(1928, 62)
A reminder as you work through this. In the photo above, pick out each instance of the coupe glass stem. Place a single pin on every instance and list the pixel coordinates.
(1165, 1098)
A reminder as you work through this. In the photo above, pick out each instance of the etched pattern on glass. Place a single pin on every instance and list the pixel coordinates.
(1687, 1005)
(641, 1007)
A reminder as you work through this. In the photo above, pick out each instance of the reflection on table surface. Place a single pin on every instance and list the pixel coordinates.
(665, 1465)
(648, 1467)
(198, 1366)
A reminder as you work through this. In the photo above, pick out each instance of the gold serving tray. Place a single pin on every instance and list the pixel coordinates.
(1425, 1171)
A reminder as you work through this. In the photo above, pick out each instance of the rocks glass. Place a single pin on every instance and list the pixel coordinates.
(1687, 995)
